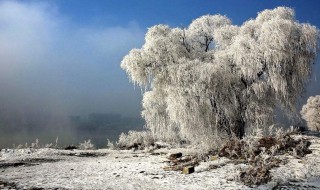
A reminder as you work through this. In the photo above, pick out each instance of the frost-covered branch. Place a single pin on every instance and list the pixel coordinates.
(311, 113)
(213, 80)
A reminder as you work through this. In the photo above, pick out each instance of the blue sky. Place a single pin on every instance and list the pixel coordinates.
(177, 12)
(63, 56)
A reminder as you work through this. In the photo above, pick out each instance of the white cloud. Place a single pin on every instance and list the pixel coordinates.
(25, 33)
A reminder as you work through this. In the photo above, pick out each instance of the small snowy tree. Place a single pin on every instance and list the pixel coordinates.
(213, 79)
(311, 113)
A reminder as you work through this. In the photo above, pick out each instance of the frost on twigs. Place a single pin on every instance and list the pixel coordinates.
(37, 145)
(261, 155)
(110, 145)
(135, 140)
(213, 80)
(311, 113)
(86, 145)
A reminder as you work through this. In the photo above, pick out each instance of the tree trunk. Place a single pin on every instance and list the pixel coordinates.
(239, 130)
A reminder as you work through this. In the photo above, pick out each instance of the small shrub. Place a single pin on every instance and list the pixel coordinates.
(35, 144)
(256, 175)
(311, 113)
(20, 146)
(110, 145)
(48, 145)
(86, 145)
(259, 154)
(135, 139)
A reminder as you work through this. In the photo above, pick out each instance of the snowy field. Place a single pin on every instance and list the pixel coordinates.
(128, 169)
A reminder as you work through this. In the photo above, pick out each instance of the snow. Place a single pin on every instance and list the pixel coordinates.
(128, 169)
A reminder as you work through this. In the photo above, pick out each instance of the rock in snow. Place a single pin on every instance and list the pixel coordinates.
(188, 170)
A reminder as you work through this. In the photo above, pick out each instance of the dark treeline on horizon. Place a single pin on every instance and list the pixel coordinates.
(100, 126)
(72, 129)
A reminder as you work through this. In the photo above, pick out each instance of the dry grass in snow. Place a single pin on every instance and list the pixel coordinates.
(126, 169)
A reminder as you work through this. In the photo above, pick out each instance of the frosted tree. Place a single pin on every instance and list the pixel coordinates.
(311, 113)
(213, 80)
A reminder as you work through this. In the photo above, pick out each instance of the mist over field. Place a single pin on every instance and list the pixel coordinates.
(53, 68)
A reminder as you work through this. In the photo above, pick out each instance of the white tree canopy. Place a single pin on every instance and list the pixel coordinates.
(213, 78)
(311, 113)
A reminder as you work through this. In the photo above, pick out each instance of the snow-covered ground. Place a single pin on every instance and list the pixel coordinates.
(119, 169)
